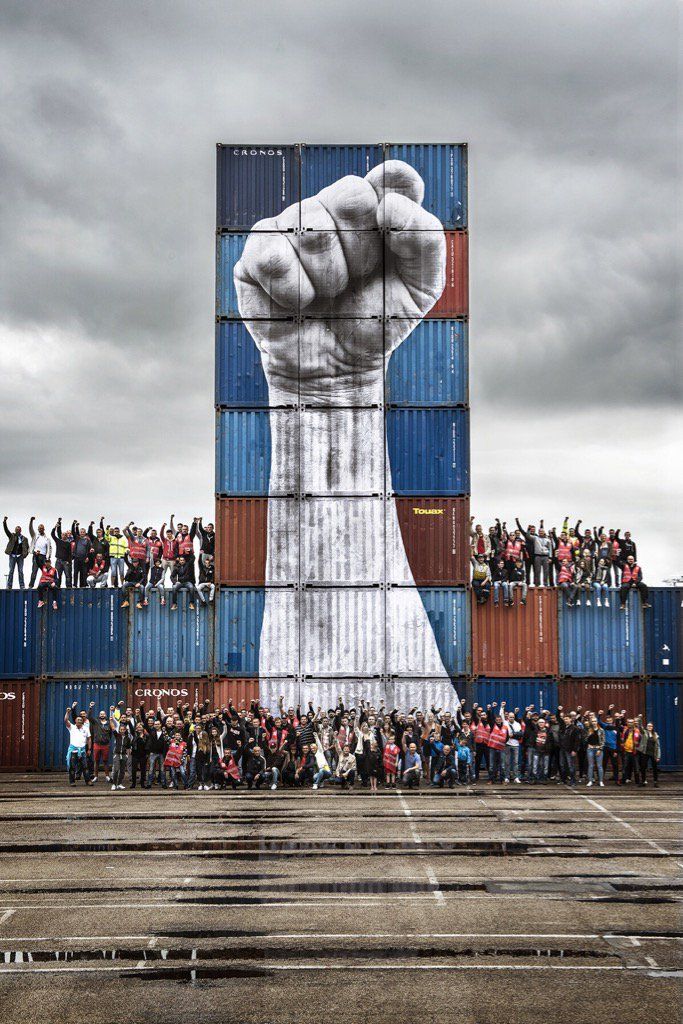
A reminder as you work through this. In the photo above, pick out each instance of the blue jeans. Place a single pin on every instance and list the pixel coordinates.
(154, 760)
(511, 762)
(594, 755)
(567, 766)
(17, 560)
(449, 775)
(320, 777)
(601, 590)
(497, 586)
(539, 765)
(177, 776)
(117, 567)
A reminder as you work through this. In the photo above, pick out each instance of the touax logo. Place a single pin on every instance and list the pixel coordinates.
(257, 152)
(162, 693)
(429, 511)
(4, 695)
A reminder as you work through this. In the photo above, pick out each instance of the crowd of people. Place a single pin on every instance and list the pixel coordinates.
(218, 748)
(583, 564)
(137, 560)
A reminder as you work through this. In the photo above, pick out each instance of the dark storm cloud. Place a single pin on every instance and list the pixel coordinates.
(110, 115)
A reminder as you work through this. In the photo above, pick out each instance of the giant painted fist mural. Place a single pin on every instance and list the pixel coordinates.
(328, 288)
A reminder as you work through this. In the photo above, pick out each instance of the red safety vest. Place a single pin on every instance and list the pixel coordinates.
(482, 733)
(137, 549)
(185, 545)
(48, 575)
(631, 574)
(498, 737)
(564, 551)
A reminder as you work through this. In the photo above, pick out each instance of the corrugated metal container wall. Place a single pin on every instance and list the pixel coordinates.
(664, 632)
(327, 650)
(241, 535)
(602, 641)
(57, 696)
(517, 641)
(324, 165)
(243, 446)
(254, 182)
(454, 299)
(518, 693)
(229, 250)
(241, 691)
(166, 693)
(443, 168)
(240, 379)
(431, 366)
(270, 691)
(87, 636)
(18, 634)
(326, 552)
(428, 693)
(429, 451)
(664, 702)
(325, 693)
(239, 617)
(171, 643)
(19, 724)
(597, 695)
(412, 653)
(435, 533)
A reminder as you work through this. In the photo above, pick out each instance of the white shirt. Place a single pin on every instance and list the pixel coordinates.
(77, 737)
(41, 544)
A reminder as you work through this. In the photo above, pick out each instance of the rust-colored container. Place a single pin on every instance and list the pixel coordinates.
(517, 641)
(241, 532)
(597, 694)
(435, 535)
(166, 693)
(240, 691)
(19, 724)
(454, 299)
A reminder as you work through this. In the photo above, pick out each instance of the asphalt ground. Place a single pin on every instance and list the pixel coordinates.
(490, 903)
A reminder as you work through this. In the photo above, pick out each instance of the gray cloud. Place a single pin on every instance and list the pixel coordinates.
(110, 115)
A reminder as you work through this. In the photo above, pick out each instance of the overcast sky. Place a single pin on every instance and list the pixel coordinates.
(110, 115)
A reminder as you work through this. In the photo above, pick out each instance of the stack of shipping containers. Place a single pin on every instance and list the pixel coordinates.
(422, 415)
(664, 667)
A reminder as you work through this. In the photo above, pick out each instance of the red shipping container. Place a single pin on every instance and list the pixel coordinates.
(435, 535)
(241, 533)
(518, 641)
(597, 695)
(240, 691)
(19, 724)
(454, 299)
(166, 693)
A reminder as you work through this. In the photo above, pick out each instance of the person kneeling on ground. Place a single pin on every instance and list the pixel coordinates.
(412, 767)
(445, 769)
(254, 765)
(346, 768)
(321, 770)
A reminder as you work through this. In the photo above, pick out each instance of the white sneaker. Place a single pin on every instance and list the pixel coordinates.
(113, 787)
(120, 787)
(315, 785)
(106, 777)
(588, 784)
(95, 778)
(518, 782)
(606, 602)
(599, 603)
(602, 784)
(274, 786)
(588, 604)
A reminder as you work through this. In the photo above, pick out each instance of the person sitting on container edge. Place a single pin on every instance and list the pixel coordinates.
(98, 575)
(516, 577)
(16, 550)
(565, 580)
(183, 578)
(601, 583)
(481, 579)
(206, 578)
(134, 581)
(499, 579)
(155, 582)
(632, 579)
(48, 584)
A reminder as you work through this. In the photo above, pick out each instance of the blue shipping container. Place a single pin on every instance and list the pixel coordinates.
(518, 693)
(171, 643)
(228, 252)
(443, 168)
(254, 182)
(602, 641)
(243, 452)
(57, 696)
(323, 165)
(664, 632)
(239, 618)
(18, 634)
(429, 451)
(664, 699)
(87, 636)
(431, 366)
(448, 612)
(240, 380)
